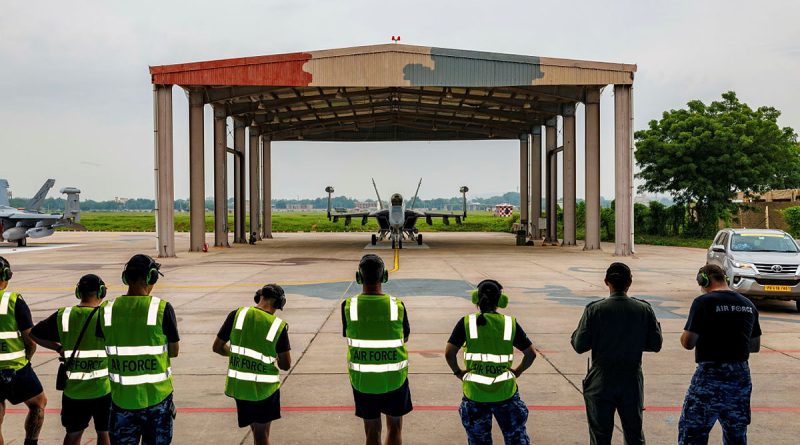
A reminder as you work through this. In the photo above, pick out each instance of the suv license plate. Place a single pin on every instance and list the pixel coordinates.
(774, 288)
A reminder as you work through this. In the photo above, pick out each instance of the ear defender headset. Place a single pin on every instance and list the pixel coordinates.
(502, 302)
(360, 276)
(93, 281)
(703, 280)
(272, 291)
(153, 270)
(5, 270)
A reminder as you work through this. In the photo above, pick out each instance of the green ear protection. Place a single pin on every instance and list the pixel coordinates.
(5, 270)
(360, 279)
(502, 302)
(152, 271)
(101, 286)
(702, 279)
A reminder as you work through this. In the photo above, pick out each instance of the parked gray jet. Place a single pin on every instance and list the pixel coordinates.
(397, 222)
(17, 225)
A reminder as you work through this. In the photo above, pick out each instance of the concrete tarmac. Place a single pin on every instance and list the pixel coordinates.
(548, 288)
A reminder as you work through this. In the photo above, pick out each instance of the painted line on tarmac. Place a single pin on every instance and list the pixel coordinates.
(396, 261)
(335, 408)
(195, 286)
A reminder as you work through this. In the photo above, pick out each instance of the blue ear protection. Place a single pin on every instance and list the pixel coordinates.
(5, 270)
(153, 271)
(272, 291)
(502, 302)
(101, 286)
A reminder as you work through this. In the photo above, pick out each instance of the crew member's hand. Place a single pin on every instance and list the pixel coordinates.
(461, 373)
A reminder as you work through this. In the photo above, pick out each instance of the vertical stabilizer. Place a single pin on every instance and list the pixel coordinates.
(35, 204)
(4, 201)
(414, 201)
(380, 203)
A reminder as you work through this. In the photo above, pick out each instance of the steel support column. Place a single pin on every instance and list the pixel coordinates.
(255, 196)
(524, 206)
(220, 177)
(570, 184)
(592, 110)
(536, 181)
(165, 187)
(238, 181)
(623, 170)
(266, 184)
(197, 188)
(551, 179)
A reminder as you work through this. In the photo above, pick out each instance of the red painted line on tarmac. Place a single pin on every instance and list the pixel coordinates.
(333, 408)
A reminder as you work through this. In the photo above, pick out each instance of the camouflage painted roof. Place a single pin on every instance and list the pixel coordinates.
(393, 65)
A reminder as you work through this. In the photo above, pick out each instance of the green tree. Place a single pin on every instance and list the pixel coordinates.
(704, 154)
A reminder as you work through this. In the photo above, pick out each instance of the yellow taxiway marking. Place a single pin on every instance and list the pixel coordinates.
(194, 286)
(396, 260)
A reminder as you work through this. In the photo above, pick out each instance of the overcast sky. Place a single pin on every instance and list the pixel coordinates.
(77, 99)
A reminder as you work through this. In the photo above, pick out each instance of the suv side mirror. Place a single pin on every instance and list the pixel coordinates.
(718, 248)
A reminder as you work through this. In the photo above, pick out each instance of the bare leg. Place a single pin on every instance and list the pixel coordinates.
(2, 417)
(35, 417)
(260, 433)
(372, 428)
(103, 438)
(73, 438)
(394, 426)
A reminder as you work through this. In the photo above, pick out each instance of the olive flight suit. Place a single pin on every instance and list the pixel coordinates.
(617, 330)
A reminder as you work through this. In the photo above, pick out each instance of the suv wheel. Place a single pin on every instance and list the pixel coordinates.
(797, 302)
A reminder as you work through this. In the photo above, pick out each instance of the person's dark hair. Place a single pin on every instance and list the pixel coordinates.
(89, 284)
(488, 297)
(714, 273)
(137, 268)
(371, 267)
(272, 291)
(618, 275)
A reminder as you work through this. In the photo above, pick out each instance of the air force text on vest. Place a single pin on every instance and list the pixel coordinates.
(733, 308)
(240, 362)
(375, 356)
(134, 365)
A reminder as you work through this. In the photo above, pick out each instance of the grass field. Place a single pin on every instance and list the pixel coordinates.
(317, 222)
(288, 222)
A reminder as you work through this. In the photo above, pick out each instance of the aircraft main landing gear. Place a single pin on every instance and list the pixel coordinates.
(374, 239)
(419, 239)
(22, 243)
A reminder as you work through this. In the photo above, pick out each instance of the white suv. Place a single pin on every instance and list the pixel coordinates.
(759, 263)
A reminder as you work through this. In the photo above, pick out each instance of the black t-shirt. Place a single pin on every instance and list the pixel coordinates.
(169, 326)
(22, 313)
(724, 321)
(224, 333)
(406, 326)
(459, 336)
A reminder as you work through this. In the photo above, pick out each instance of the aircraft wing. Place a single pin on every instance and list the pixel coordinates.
(364, 216)
(26, 216)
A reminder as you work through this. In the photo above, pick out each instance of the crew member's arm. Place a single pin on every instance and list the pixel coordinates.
(454, 344)
(22, 314)
(691, 332)
(582, 337)
(654, 339)
(220, 345)
(45, 333)
(524, 344)
(406, 326)
(170, 329)
(755, 335)
(282, 348)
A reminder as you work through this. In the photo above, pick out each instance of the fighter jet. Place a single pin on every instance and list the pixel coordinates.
(17, 225)
(397, 222)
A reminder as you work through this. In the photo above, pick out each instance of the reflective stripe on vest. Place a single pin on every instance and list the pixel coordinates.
(4, 303)
(152, 312)
(130, 380)
(87, 375)
(127, 351)
(473, 327)
(107, 313)
(488, 358)
(252, 354)
(250, 377)
(483, 380)
(389, 367)
(374, 344)
(65, 319)
(13, 354)
(9, 335)
(96, 353)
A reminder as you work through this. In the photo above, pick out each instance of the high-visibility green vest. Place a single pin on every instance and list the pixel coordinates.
(139, 364)
(488, 354)
(12, 348)
(376, 353)
(87, 376)
(252, 371)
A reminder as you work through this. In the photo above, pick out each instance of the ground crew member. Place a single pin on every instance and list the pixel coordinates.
(141, 335)
(489, 382)
(723, 327)
(376, 327)
(87, 394)
(617, 330)
(18, 382)
(258, 342)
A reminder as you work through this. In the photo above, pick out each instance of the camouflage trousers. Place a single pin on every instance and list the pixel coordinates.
(511, 415)
(718, 392)
(152, 425)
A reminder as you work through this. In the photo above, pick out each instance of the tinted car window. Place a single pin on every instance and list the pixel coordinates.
(752, 242)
